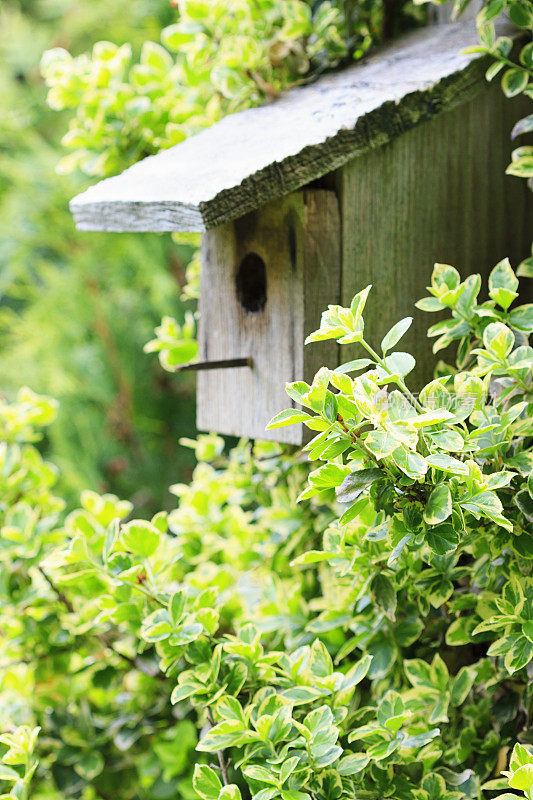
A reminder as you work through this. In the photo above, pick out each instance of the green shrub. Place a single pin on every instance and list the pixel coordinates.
(372, 640)
(217, 58)
(75, 311)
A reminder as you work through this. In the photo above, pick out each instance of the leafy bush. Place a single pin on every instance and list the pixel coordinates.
(225, 56)
(66, 301)
(513, 64)
(516, 75)
(76, 667)
(372, 640)
(17, 764)
(517, 78)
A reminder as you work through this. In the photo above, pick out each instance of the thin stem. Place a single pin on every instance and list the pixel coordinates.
(383, 364)
(138, 586)
(59, 594)
(134, 662)
(355, 439)
(220, 753)
(401, 383)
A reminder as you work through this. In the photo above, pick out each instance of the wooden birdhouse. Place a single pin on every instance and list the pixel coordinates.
(368, 175)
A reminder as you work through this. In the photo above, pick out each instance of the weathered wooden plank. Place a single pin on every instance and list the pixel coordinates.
(322, 275)
(438, 193)
(256, 155)
(298, 240)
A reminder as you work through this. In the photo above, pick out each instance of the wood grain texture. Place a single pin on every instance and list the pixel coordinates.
(296, 237)
(253, 156)
(438, 193)
(322, 274)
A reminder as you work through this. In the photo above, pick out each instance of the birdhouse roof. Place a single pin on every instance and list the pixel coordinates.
(256, 155)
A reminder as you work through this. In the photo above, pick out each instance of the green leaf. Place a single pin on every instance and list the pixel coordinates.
(328, 476)
(384, 593)
(313, 557)
(176, 606)
(447, 440)
(354, 366)
(418, 672)
(299, 695)
(494, 70)
(289, 416)
(498, 339)
(157, 627)
(523, 778)
(519, 656)
(381, 443)
(183, 691)
(111, 537)
(524, 502)
(206, 782)
(519, 757)
(521, 318)
(489, 12)
(355, 674)
(442, 539)
(8, 774)
(429, 304)
(359, 301)
(524, 125)
(229, 708)
(395, 334)
(178, 353)
(410, 462)
(461, 685)
(514, 81)
(140, 537)
(384, 654)
(420, 739)
(398, 364)
(521, 13)
(520, 166)
(352, 764)
(258, 773)
(89, 765)
(288, 767)
(447, 464)
(439, 505)
(229, 733)
(355, 483)
(487, 504)
(230, 792)
(503, 277)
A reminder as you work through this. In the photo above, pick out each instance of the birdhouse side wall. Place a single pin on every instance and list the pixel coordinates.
(438, 192)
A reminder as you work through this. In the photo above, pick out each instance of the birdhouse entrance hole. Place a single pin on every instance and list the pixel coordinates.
(251, 283)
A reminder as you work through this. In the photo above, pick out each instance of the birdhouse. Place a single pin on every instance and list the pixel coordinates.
(368, 175)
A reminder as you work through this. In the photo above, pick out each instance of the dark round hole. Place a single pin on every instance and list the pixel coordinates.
(251, 283)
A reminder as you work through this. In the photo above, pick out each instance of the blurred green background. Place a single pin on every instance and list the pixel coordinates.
(76, 309)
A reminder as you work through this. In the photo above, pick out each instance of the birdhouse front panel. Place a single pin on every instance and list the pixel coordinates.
(265, 281)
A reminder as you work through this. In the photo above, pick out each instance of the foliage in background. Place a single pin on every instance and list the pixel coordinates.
(73, 663)
(218, 57)
(74, 310)
(513, 63)
(515, 68)
(371, 644)
(517, 78)
(372, 640)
